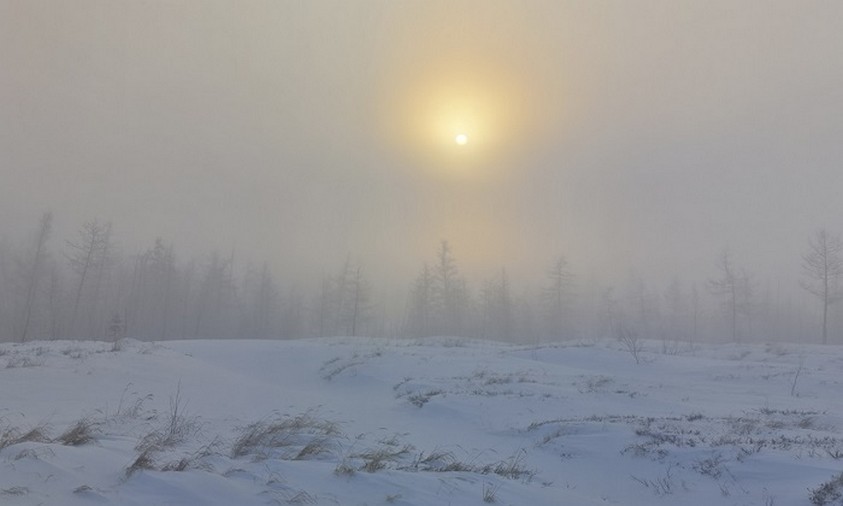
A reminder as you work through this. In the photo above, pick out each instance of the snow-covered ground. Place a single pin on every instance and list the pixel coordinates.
(429, 422)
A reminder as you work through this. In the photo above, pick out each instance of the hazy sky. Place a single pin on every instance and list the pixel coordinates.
(625, 134)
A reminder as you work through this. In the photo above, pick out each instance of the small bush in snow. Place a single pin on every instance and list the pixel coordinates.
(828, 492)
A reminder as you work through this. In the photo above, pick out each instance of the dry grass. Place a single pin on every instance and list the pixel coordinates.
(377, 459)
(303, 437)
(144, 461)
(80, 433)
(12, 436)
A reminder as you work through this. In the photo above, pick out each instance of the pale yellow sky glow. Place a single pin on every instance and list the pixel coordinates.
(641, 133)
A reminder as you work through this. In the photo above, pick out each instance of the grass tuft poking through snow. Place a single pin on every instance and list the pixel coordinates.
(298, 437)
(81, 433)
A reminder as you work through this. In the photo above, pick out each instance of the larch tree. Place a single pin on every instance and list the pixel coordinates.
(735, 290)
(357, 307)
(449, 292)
(556, 297)
(497, 308)
(822, 268)
(87, 256)
(421, 304)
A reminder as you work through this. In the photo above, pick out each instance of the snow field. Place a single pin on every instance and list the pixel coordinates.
(423, 422)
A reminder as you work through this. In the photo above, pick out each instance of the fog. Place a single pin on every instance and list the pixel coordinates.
(640, 140)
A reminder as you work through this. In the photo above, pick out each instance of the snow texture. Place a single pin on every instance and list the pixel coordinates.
(426, 422)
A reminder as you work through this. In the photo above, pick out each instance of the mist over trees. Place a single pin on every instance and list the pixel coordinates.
(88, 287)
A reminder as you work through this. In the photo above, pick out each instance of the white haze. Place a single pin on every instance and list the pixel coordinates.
(652, 135)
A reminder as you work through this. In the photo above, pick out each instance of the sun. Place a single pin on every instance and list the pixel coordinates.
(461, 139)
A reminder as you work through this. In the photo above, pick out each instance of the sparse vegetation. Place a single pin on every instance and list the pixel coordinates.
(144, 461)
(828, 492)
(299, 437)
(344, 468)
(629, 338)
(15, 491)
(419, 399)
(23, 361)
(176, 428)
(11, 436)
(686, 446)
(490, 492)
(660, 485)
(80, 433)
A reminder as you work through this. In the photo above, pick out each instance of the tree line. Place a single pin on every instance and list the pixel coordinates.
(85, 287)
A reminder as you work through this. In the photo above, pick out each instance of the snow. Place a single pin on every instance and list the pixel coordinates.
(355, 421)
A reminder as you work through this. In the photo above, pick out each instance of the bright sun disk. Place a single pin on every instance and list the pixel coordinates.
(461, 139)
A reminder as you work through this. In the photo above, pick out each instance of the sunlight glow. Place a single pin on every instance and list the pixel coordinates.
(461, 139)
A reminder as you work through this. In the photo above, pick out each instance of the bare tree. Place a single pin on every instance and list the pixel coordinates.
(556, 297)
(822, 268)
(421, 304)
(216, 299)
(695, 314)
(630, 340)
(449, 292)
(33, 273)
(357, 308)
(322, 307)
(673, 325)
(87, 257)
(293, 317)
(497, 307)
(343, 303)
(260, 304)
(735, 289)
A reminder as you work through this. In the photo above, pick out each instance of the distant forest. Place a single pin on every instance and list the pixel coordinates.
(85, 287)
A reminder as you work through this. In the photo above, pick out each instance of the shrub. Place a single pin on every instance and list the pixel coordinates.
(828, 492)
